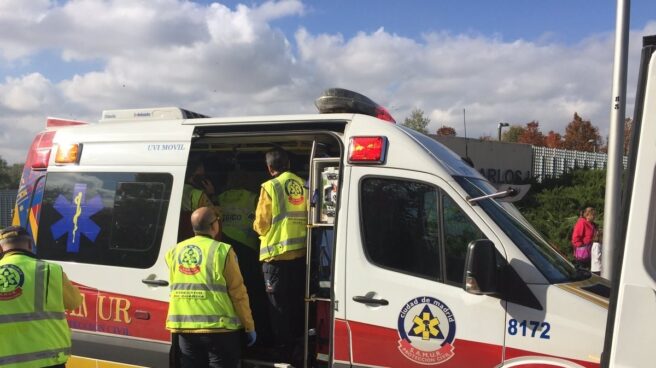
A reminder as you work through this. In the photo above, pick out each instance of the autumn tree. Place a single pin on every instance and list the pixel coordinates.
(512, 134)
(532, 134)
(485, 138)
(553, 140)
(581, 135)
(417, 121)
(446, 131)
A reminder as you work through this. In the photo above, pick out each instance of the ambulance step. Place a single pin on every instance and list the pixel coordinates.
(252, 363)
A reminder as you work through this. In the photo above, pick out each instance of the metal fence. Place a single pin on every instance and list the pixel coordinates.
(7, 200)
(553, 162)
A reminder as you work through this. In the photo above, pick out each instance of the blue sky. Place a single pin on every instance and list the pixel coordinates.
(510, 60)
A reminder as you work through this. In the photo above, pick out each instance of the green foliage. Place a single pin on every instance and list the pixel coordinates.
(513, 133)
(553, 206)
(9, 175)
(417, 121)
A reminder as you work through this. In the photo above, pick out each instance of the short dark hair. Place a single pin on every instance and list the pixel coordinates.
(192, 166)
(277, 159)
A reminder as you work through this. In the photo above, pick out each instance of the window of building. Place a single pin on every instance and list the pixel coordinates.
(112, 219)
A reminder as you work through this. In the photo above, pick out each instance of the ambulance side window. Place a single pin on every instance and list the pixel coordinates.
(459, 231)
(106, 218)
(400, 227)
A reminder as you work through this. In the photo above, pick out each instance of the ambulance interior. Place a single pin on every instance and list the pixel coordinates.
(236, 164)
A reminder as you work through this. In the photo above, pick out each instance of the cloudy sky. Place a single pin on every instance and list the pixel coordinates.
(510, 60)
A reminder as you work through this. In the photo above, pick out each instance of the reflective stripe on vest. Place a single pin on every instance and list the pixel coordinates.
(288, 229)
(32, 313)
(199, 295)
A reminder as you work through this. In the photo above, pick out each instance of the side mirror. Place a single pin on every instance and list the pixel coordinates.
(481, 275)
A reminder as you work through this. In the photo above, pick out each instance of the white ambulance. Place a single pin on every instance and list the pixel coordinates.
(414, 259)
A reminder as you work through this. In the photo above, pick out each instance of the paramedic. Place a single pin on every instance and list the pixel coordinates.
(197, 188)
(33, 297)
(209, 303)
(281, 221)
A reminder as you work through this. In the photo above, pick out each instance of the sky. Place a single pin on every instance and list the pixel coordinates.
(513, 61)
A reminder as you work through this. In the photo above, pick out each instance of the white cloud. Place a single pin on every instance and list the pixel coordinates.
(224, 62)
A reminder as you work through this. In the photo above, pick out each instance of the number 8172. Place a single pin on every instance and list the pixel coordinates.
(532, 328)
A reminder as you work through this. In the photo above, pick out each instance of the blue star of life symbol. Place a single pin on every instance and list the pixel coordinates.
(76, 219)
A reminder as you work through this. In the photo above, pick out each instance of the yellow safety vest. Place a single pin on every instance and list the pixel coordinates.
(288, 229)
(238, 208)
(32, 319)
(199, 295)
(191, 198)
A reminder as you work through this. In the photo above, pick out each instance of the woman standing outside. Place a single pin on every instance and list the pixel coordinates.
(583, 236)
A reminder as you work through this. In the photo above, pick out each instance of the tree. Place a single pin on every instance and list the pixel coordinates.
(581, 135)
(486, 138)
(553, 140)
(532, 134)
(417, 121)
(446, 131)
(9, 175)
(553, 205)
(512, 134)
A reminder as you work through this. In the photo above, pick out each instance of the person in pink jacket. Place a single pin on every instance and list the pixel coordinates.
(583, 236)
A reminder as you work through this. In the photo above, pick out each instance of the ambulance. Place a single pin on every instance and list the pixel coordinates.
(414, 259)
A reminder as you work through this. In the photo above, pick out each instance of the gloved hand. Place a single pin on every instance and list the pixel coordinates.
(251, 337)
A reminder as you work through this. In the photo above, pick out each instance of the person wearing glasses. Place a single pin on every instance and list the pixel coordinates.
(209, 307)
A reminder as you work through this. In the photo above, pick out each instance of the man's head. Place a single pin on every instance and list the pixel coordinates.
(15, 237)
(277, 161)
(195, 171)
(205, 222)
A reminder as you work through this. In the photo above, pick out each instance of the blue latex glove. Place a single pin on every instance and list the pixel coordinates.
(251, 337)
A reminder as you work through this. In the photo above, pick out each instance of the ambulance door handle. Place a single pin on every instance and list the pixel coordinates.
(369, 300)
(155, 282)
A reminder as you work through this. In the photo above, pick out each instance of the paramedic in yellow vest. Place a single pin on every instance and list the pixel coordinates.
(33, 297)
(281, 221)
(208, 308)
(197, 188)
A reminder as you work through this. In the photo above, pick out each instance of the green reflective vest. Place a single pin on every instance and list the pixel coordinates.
(238, 208)
(288, 229)
(199, 296)
(33, 327)
(191, 197)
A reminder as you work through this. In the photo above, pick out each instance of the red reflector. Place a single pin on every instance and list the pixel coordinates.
(39, 154)
(383, 114)
(55, 122)
(367, 149)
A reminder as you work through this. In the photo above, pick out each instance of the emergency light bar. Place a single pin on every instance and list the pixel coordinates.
(367, 150)
(339, 100)
(159, 113)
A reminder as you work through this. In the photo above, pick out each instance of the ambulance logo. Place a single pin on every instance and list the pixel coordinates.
(426, 329)
(76, 218)
(294, 191)
(190, 259)
(11, 282)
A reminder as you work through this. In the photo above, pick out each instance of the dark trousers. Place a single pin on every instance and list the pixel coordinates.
(215, 350)
(285, 286)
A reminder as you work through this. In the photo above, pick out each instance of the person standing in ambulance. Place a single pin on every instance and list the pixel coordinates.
(33, 297)
(281, 221)
(209, 305)
(196, 193)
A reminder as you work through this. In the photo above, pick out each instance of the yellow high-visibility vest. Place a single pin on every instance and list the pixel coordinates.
(32, 319)
(288, 229)
(191, 198)
(199, 295)
(238, 209)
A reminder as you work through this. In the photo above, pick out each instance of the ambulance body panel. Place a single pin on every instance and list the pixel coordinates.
(398, 299)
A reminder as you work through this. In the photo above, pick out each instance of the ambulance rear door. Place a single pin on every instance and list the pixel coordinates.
(405, 303)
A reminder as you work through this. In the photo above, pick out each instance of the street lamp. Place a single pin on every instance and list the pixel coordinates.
(594, 145)
(501, 125)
